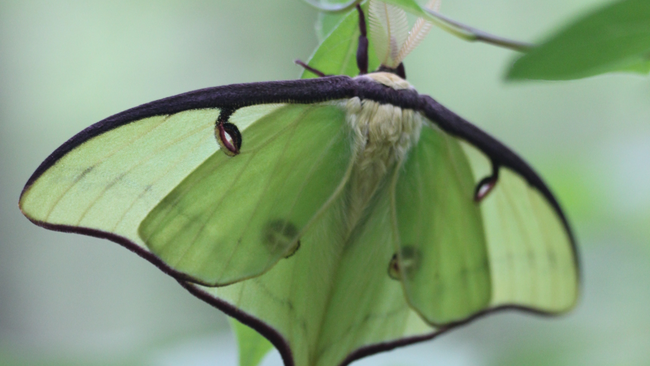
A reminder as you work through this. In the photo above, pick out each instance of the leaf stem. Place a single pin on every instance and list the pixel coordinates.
(333, 8)
(472, 34)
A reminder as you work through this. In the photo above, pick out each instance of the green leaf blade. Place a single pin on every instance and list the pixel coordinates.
(641, 66)
(610, 39)
(337, 54)
(326, 22)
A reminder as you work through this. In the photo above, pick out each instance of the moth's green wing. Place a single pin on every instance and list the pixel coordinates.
(442, 254)
(108, 183)
(252, 346)
(122, 182)
(235, 217)
(533, 260)
(457, 257)
(366, 308)
(333, 301)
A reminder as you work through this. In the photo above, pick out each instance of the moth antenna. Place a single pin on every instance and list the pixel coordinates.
(418, 33)
(309, 68)
(378, 31)
(388, 30)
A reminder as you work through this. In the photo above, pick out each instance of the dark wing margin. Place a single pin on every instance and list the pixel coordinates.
(283, 348)
(230, 96)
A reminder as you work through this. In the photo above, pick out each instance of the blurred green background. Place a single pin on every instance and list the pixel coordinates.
(74, 300)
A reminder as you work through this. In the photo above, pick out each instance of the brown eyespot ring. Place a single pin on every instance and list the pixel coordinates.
(410, 261)
(225, 130)
(487, 184)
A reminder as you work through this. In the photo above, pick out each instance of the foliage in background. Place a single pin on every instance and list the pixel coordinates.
(615, 37)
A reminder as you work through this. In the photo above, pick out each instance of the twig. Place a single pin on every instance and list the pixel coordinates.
(472, 34)
(333, 8)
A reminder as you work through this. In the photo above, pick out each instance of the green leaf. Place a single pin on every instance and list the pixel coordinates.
(327, 21)
(612, 38)
(252, 346)
(336, 55)
(325, 24)
(642, 66)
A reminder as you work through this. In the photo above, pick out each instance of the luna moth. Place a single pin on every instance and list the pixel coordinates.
(338, 216)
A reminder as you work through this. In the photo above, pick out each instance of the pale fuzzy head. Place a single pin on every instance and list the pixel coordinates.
(389, 31)
(389, 79)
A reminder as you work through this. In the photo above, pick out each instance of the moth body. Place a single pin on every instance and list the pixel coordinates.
(382, 135)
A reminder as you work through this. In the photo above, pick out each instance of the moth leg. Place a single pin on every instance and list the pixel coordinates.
(362, 50)
(309, 68)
